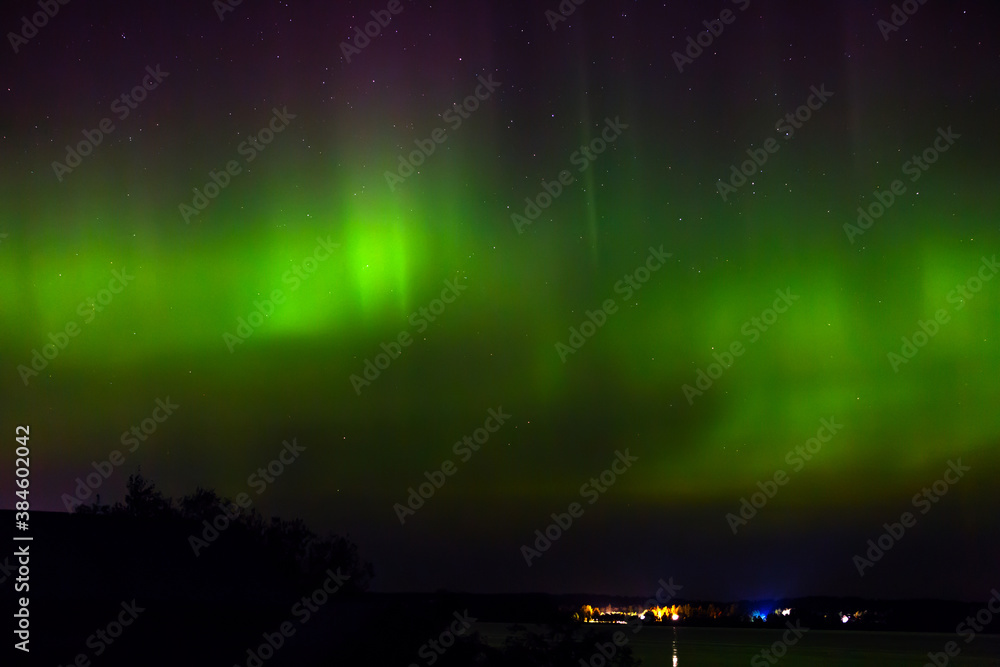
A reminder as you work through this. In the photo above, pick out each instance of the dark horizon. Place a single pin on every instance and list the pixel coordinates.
(709, 579)
(78, 530)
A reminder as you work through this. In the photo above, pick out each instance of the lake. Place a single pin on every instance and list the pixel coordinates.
(694, 647)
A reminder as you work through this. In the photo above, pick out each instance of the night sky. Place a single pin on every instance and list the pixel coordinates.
(267, 169)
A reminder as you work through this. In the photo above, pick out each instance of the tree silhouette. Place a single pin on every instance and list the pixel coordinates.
(198, 504)
(292, 551)
(143, 500)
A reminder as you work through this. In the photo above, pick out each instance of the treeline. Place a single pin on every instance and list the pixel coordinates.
(221, 530)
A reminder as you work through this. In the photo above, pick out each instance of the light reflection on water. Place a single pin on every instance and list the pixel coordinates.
(658, 646)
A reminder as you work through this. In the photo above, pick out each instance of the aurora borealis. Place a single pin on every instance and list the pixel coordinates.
(251, 304)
